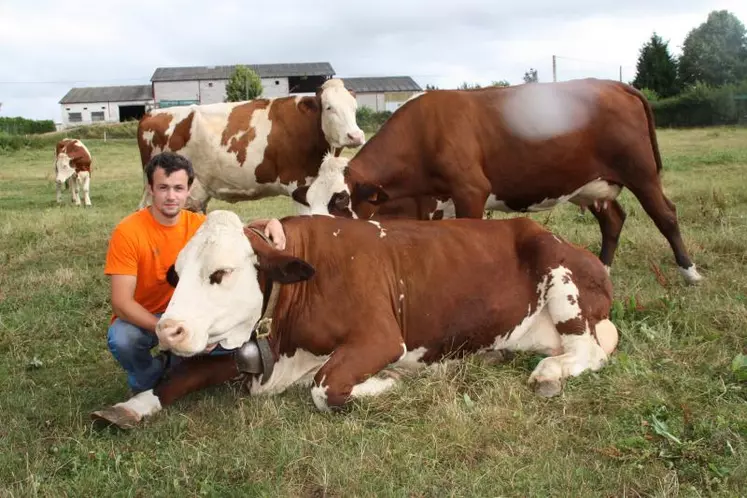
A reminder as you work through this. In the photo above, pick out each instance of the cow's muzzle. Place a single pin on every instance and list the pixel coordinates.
(170, 333)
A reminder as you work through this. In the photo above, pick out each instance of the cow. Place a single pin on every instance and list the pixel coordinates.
(253, 149)
(72, 167)
(347, 299)
(523, 148)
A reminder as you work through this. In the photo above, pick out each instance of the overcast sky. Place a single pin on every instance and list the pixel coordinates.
(48, 47)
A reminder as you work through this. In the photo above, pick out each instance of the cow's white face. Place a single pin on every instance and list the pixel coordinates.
(328, 194)
(338, 116)
(62, 167)
(217, 298)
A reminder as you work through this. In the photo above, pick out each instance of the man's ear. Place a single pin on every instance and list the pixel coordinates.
(171, 276)
(299, 195)
(371, 193)
(310, 104)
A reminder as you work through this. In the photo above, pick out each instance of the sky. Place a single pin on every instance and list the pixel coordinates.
(48, 47)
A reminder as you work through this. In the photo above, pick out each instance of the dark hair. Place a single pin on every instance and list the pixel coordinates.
(169, 162)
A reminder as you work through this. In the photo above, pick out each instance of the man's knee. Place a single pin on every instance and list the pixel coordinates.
(124, 337)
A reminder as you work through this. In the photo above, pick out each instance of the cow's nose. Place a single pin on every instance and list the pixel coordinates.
(357, 138)
(171, 332)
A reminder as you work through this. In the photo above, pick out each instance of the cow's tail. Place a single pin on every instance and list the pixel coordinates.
(651, 125)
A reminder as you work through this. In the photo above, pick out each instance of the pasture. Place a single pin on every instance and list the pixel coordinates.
(667, 416)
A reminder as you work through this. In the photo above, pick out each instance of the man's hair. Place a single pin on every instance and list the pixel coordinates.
(169, 162)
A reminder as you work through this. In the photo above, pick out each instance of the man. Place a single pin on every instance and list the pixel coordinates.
(141, 249)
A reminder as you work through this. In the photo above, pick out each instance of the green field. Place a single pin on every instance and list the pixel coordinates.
(667, 417)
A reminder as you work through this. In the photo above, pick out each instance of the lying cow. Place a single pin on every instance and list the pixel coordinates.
(522, 148)
(254, 149)
(72, 167)
(349, 298)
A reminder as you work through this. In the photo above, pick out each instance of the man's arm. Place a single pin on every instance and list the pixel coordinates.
(272, 229)
(125, 306)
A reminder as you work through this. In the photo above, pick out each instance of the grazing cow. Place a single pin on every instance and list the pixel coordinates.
(522, 148)
(348, 298)
(249, 150)
(72, 167)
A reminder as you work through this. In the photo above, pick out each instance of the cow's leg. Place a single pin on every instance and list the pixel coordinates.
(145, 199)
(581, 352)
(190, 375)
(470, 202)
(664, 214)
(580, 349)
(198, 197)
(59, 192)
(73, 183)
(350, 371)
(84, 181)
(611, 218)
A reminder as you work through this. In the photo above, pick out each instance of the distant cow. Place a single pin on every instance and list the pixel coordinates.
(72, 167)
(253, 149)
(522, 148)
(349, 298)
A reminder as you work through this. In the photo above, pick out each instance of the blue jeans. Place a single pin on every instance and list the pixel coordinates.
(130, 345)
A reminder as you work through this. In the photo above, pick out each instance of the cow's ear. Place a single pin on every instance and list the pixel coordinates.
(286, 269)
(371, 193)
(310, 104)
(172, 277)
(299, 195)
(277, 265)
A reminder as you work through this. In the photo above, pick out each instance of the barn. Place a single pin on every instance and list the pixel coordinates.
(107, 104)
(207, 84)
(382, 93)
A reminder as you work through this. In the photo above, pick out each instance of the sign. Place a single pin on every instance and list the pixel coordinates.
(174, 103)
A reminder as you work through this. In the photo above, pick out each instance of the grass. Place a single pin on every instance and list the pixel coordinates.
(667, 417)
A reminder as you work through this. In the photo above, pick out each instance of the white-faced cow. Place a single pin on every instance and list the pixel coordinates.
(347, 298)
(522, 148)
(253, 149)
(72, 167)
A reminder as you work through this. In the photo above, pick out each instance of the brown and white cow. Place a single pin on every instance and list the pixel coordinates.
(253, 149)
(355, 297)
(522, 148)
(72, 167)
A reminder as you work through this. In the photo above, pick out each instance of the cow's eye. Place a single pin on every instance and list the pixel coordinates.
(217, 276)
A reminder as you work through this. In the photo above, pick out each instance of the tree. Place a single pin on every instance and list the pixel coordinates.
(501, 83)
(715, 52)
(468, 86)
(656, 68)
(531, 76)
(244, 84)
(430, 87)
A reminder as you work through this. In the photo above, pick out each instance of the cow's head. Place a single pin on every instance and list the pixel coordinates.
(218, 298)
(64, 154)
(338, 115)
(334, 193)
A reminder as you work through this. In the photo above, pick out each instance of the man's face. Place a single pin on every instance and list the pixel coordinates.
(169, 192)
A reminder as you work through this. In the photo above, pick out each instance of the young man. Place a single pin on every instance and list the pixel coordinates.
(141, 249)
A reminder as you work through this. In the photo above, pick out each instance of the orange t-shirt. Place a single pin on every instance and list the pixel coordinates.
(142, 247)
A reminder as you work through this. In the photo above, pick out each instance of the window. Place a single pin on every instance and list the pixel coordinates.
(97, 116)
(277, 82)
(74, 117)
(210, 85)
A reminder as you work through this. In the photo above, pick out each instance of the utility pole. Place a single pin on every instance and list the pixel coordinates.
(621, 74)
(554, 70)
(246, 86)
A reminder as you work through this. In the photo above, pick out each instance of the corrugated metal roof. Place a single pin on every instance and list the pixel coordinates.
(224, 72)
(108, 94)
(382, 84)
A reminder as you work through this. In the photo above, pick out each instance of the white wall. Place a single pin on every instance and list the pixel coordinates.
(275, 87)
(110, 110)
(212, 91)
(176, 90)
(375, 101)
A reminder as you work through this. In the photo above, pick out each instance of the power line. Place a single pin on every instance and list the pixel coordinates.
(70, 82)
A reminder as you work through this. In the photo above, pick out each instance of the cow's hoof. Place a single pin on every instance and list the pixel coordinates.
(547, 387)
(119, 416)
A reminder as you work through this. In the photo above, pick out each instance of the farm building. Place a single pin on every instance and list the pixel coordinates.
(207, 84)
(382, 93)
(110, 104)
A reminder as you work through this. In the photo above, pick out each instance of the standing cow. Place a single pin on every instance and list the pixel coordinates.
(522, 148)
(72, 167)
(348, 298)
(253, 149)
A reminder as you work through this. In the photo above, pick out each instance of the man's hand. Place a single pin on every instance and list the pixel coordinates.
(274, 230)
